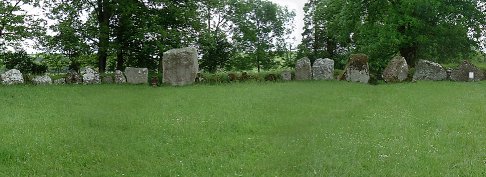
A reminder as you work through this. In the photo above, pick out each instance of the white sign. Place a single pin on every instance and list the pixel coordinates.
(471, 75)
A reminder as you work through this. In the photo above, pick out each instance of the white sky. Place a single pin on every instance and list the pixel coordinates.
(298, 7)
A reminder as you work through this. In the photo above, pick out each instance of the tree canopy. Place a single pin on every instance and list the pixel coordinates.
(440, 30)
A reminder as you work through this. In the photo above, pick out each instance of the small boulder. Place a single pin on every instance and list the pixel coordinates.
(180, 66)
(120, 77)
(73, 77)
(42, 80)
(461, 73)
(107, 80)
(396, 71)
(232, 77)
(286, 75)
(323, 69)
(60, 81)
(303, 70)
(271, 77)
(136, 75)
(11, 77)
(427, 70)
(357, 69)
(90, 76)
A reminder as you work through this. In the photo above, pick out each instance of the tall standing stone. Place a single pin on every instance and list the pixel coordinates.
(357, 69)
(396, 71)
(461, 73)
(11, 77)
(136, 75)
(323, 69)
(427, 70)
(180, 66)
(303, 70)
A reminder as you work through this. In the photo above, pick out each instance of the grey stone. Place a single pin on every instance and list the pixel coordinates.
(73, 77)
(461, 73)
(396, 71)
(120, 77)
(303, 70)
(42, 80)
(323, 69)
(107, 80)
(136, 75)
(357, 69)
(286, 75)
(12, 76)
(60, 81)
(427, 70)
(180, 66)
(90, 76)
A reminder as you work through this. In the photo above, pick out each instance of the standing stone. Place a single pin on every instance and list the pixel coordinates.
(286, 75)
(136, 75)
(357, 69)
(323, 69)
(73, 77)
(180, 66)
(119, 77)
(42, 80)
(396, 71)
(90, 76)
(427, 70)
(462, 72)
(12, 76)
(303, 70)
(107, 80)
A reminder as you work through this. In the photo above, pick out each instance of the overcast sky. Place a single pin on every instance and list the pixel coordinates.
(298, 7)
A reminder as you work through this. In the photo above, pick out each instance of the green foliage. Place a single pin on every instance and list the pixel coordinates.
(261, 28)
(443, 31)
(16, 24)
(23, 62)
(217, 52)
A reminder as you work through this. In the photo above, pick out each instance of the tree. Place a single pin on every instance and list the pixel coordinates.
(16, 24)
(260, 29)
(71, 36)
(213, 42)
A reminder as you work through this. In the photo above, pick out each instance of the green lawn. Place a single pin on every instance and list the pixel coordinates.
(247, 129)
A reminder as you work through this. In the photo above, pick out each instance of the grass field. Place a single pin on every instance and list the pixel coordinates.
(246, 129)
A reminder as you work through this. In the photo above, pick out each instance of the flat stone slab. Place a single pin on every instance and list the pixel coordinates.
(429, 71)
(396, 71)
(180, 66)
(303, 70)
(357, 69)
(136, 75)
(323, 69)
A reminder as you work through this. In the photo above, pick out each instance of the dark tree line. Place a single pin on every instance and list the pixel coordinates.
(440, 30)
(112, 34)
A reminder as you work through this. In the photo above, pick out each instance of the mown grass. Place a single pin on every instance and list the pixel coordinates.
(246, 129)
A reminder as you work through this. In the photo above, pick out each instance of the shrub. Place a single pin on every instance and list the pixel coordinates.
(23, 62)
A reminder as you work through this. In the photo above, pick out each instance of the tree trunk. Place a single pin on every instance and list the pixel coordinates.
(104, 33)
(410, 54)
